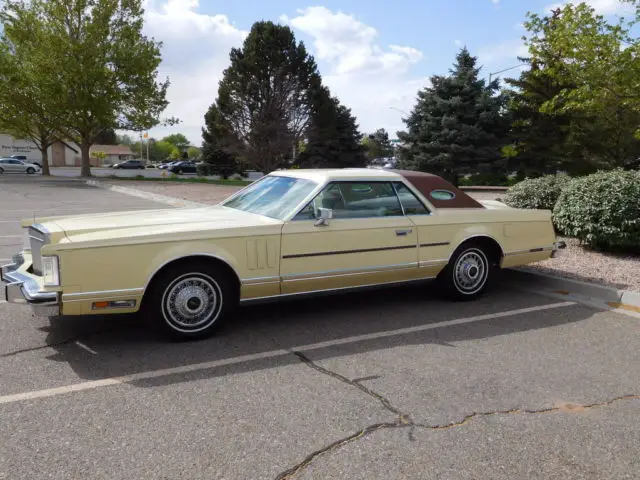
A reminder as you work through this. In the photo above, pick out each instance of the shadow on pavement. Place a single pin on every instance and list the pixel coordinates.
(125, 346)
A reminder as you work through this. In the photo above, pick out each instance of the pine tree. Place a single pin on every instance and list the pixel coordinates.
(217, 161)
(539, 139)
(263, 98)
(334, 139)
(457, 126)
(378, 145)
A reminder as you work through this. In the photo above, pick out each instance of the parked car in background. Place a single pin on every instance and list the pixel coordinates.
(184, 166)
(26, 160)
(290, 233)
(12, 165)
(166, 166)
(130, 164)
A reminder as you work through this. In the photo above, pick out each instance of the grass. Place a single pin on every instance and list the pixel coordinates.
(174, 179)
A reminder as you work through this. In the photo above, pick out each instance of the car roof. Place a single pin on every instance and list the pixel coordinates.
(322, 174)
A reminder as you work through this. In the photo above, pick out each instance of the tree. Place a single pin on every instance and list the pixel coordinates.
(25, 93)
(333, 140)
(107, 137)
(178, 140)
(597, 64)
(263, 98)
(599, 58)
(217, 160)
(457, 126)
(378, 145)
(539, 138)
(124, 140)
(102, 65)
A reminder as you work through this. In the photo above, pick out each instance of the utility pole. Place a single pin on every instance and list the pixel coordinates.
(491, 74)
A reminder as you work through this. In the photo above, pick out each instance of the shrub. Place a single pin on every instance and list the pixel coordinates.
(602, 210)
(204, 170)
(541, 192)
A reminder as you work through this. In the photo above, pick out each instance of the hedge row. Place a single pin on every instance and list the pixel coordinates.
(602, 210)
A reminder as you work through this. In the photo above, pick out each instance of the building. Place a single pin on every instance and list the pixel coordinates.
(109, 154)
(64, 154)
(60, 153)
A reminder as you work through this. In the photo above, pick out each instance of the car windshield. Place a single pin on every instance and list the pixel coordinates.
(272, 196)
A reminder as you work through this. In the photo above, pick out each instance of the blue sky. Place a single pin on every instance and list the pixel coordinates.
(374, 55)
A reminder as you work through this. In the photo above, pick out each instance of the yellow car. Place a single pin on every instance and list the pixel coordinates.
(289, 233)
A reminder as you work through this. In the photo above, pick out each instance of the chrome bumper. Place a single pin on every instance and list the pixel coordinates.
(557, 246)
(22, 288)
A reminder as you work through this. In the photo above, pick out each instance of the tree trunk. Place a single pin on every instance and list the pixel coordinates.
(45, 162)
(85, 168)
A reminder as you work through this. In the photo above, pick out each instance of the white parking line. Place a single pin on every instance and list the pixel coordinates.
(83, 346)
(11, 236)
(78, 387)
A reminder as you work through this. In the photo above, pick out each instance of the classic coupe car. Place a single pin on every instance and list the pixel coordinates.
(289, 233)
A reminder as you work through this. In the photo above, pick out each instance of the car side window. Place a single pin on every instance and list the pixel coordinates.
(411, 204)
(354, 200)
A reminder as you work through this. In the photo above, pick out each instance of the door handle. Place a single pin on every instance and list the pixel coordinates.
(402, 233)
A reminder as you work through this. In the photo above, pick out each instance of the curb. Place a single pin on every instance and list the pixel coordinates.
(598, 296)
(156, 197)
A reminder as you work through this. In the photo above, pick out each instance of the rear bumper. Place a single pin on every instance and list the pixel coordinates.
(24, 287)
(557, 246)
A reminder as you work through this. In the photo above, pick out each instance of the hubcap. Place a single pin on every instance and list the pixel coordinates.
(192, 302)
(470, 271)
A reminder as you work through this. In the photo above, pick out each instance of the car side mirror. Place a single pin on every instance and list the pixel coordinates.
(323, 218)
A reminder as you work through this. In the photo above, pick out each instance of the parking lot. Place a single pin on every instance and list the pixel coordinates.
(396, 384)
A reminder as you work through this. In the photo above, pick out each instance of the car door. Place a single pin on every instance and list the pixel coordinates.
(13, 166)
(434, 236)
(367, 241)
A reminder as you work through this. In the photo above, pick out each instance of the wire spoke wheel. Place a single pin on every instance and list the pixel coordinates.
(470, 271)
(192, 302)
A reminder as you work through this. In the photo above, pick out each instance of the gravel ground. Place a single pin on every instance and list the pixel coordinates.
(575, 262)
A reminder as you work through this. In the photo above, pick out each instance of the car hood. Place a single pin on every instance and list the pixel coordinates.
(142, 224)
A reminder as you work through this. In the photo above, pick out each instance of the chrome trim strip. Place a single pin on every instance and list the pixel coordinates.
(432, 263)
(347, 272)
(346, 252)
(528, 250)
(436, 244)
(81, 295)
(260, 280)
(339, 289)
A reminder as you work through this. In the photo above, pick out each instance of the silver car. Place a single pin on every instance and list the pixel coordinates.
(11, 165)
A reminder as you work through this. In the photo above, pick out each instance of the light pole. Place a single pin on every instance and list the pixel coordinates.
(504, 70)
(398, 110)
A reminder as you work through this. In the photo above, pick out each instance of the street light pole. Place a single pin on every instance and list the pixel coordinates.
(491, 74)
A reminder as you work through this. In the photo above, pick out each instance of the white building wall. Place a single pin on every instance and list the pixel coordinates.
(12, 146)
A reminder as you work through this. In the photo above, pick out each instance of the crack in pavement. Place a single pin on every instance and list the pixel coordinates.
(404, 420)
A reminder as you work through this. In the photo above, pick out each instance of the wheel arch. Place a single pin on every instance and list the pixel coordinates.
(494, 248)
(205, 258)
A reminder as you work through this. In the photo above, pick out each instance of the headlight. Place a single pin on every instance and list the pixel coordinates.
(51, 271)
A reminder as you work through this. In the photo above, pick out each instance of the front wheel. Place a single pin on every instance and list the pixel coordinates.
(468, 273)
(30, 171)
(190, 301)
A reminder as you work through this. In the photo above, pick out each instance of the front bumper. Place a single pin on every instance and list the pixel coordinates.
(24, 287)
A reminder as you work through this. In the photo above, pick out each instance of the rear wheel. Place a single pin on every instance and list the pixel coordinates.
(190, 301)
(1, 170)
(468, 273)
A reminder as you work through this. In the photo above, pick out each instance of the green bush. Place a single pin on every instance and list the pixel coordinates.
(602, 210)
(541, 192)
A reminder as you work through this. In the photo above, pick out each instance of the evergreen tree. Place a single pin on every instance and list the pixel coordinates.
(263, 98)
(457, 126)
(107, 137)
(378, 145)
(539, 139)
(217, 161)
(334, 139)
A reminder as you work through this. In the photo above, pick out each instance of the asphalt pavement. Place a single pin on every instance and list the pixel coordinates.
(396, 384)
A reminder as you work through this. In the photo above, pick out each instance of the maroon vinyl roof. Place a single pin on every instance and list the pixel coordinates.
(426, 183)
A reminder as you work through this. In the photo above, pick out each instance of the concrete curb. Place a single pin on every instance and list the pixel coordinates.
(598, 296)
(156, 197)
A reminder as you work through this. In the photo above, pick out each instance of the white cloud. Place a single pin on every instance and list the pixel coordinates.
(370, 79)
(375, 82)
(195, 52)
